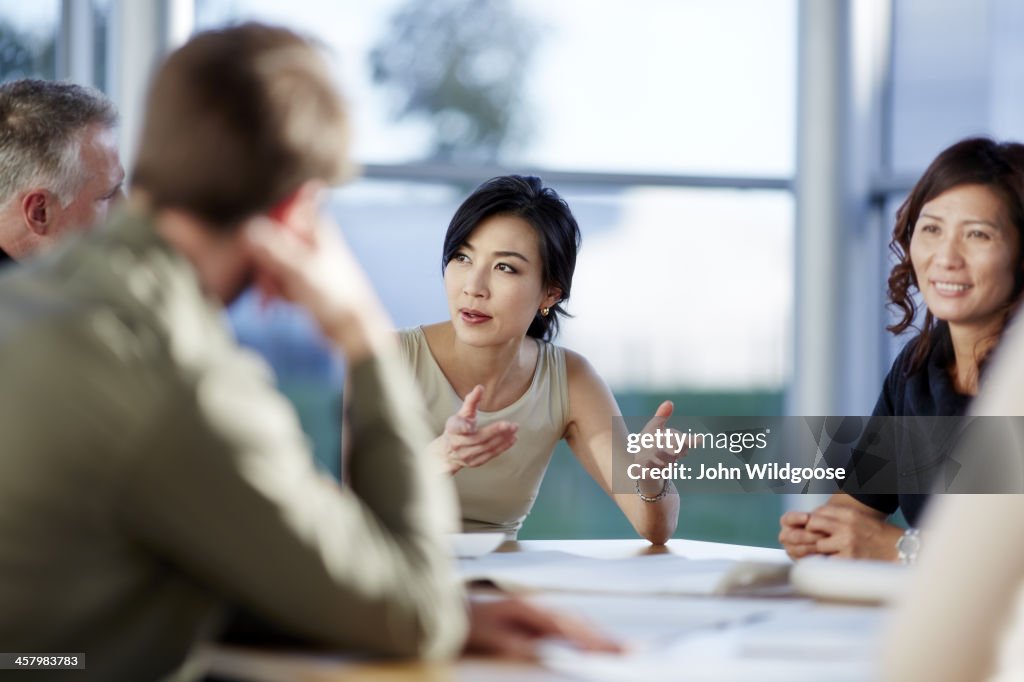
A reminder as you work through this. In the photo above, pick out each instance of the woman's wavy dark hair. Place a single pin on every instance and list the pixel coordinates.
(527, 198)
(974, 161)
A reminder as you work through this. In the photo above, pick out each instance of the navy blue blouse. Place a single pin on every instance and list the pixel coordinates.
(928, 392)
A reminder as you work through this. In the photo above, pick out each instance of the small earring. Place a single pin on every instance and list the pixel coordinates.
(544, 312)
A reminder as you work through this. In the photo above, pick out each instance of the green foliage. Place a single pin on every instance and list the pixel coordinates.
(461, 65)
(22, 56)
(319, 408)
(572, 505)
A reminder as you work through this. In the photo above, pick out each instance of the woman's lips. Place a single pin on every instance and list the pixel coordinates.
(951, 289)
(473, 316)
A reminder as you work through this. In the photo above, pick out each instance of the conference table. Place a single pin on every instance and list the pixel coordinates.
(768, 634)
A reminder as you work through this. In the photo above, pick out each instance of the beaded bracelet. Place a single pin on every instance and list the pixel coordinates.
(663, 493)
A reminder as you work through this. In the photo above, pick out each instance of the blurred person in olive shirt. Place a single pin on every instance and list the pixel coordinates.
(153, 481)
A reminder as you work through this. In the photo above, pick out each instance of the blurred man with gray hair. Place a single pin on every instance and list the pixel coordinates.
(59, 167)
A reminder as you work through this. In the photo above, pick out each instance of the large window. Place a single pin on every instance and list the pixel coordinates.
(695, 89)
(669, 128)
(658, 86)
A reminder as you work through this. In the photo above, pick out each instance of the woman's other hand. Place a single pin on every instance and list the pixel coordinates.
(464, 445)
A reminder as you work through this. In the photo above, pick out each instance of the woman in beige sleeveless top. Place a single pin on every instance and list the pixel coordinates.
(499, 393)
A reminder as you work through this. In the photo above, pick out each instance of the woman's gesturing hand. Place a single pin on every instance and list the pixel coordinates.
(676, 445)
(464, 445)
(670, 447)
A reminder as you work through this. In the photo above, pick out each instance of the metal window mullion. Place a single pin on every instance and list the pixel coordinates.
(141, 32)
(75, 44)
(461, 173)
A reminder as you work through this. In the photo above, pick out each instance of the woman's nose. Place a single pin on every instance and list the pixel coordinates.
(948, 252)
(475, 283)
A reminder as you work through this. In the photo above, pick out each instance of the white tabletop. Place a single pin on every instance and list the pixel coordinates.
(671, 637)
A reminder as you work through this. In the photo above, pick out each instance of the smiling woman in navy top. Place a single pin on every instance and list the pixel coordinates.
(958, 240)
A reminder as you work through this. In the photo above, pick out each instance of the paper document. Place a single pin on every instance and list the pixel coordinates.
(811, 644)
(650, 623)
(651, 574)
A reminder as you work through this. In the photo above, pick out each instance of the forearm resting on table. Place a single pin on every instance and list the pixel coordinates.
(407, 493)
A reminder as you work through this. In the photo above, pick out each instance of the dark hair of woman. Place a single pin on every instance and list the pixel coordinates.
(558, 235)
(974, 161)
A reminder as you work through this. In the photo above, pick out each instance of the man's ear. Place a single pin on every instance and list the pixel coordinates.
(37, 208)
(300, 209)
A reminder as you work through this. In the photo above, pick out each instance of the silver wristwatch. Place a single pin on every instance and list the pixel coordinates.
(908, 546)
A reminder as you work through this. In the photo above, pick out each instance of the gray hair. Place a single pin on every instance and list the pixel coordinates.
(41, 126)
